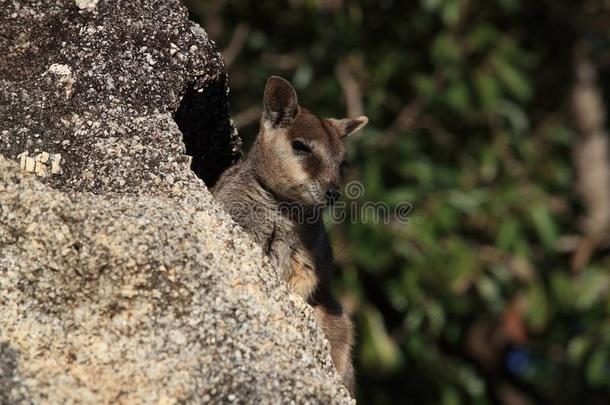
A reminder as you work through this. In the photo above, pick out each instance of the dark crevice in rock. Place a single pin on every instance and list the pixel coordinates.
(208, 134)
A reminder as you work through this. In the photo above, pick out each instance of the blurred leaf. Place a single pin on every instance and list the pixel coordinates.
(591, 287)
(537, 308)
(302, 76)
(487, 90)
(577, 349)
(514, 81)
(544, 224)
(445, 50)
(380, 350)
(514, 114)
(451, 11)
(450, 396)
(473, 383)
(257, 39)
(458, 96)
(436, 316)
(424, 85)
(432, 5)
(508, 234)
(597, 368)
(563, 290)
(468, 202)
(488, 289)
(482, 36)
(489, 164)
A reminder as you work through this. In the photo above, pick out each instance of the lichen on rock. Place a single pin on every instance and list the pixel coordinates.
(121, 280)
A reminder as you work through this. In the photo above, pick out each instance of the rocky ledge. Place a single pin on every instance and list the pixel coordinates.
(121, 280)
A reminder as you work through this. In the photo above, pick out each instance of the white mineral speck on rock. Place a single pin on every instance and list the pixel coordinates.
(61, 70)
(43, 157)
(86, 4)
(40, 169)
(23, 159)
(55, 159)
(177, 337)
(150, 59)
(64, 72)
(30, 164)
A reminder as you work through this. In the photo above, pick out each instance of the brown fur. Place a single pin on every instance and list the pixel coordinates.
(278, 174)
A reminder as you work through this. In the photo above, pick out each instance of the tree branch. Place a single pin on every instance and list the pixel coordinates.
(238, 40)
(591, 155)
(350, 87)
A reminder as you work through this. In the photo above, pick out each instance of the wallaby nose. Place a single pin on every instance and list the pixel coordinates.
(332, 195)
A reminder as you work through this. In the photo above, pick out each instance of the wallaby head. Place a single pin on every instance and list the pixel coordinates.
(301, 157)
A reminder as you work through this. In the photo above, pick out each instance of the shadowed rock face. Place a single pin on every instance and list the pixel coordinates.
(121, 281)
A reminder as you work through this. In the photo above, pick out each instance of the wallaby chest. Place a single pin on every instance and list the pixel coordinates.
(300, 251)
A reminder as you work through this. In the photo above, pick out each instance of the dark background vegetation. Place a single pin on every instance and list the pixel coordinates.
(488, 117)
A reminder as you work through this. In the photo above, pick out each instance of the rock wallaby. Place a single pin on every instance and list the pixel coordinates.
(277, 193)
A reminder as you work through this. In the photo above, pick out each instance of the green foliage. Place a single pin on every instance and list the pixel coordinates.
(476, 290)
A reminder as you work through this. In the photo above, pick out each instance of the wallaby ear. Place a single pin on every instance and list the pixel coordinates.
(280, 101)
(348, 126)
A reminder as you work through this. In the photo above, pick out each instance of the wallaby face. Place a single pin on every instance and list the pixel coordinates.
(303, 156)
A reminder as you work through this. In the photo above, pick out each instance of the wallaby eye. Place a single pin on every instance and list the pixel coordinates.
(300, 147)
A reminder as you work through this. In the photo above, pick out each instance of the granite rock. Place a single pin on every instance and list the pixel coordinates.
(121, 280)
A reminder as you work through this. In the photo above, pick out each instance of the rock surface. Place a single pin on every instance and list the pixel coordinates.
(99, 86)
(121, 281)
